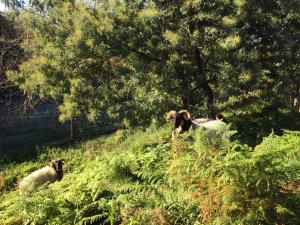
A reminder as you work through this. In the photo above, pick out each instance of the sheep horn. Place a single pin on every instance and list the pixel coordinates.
(187, 114)
(52, 163)
(170, 115)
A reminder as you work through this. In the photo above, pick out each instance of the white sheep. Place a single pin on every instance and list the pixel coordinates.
(210, 125)
(46, 174)
(200, 120)
(218, 131)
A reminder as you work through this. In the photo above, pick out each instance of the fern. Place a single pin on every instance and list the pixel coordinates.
(102, 219)
(192, 181)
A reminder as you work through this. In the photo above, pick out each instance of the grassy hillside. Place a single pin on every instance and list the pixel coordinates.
(141, 177)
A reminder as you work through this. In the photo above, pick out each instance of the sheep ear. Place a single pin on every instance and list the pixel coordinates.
(62, 161)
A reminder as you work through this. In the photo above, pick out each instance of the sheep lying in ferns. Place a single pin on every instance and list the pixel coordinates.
(46, 174)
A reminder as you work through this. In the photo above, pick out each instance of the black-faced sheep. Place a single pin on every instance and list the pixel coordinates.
(51, 173)
(221, 117)
(183, 122)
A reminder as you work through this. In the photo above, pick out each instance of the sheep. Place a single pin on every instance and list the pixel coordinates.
(219, 123)
(221, 117)
(211, 125)
(201, 120)
(183, 122)
(46, 174)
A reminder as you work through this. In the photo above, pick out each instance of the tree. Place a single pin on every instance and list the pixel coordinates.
(265, 63)
(11, 56)
(187, 36)
(69, 61)
(137, 59)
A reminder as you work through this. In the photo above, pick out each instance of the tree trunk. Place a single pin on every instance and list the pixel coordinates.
(71, 138)
(185, 103)
(202, 81)
(296, 103)
(295, 97)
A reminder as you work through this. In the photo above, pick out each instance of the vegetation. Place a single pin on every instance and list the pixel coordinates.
(202, 55)
(141, 178)
(11, 56)
(121, 65)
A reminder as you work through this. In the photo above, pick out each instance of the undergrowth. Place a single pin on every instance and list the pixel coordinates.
(141, 177)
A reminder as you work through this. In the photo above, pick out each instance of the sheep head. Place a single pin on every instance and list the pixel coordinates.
(57, 165)
(186, 114)
(182, 121)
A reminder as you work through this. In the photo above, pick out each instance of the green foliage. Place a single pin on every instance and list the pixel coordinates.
(139, 177)
(134, 60)
(249, 185)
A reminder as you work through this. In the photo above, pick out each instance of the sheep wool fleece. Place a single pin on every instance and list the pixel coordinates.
(38, 178)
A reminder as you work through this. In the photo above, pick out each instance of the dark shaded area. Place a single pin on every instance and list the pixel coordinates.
(23, 134)
(22, 147)
(252, 127)
(26, 146)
